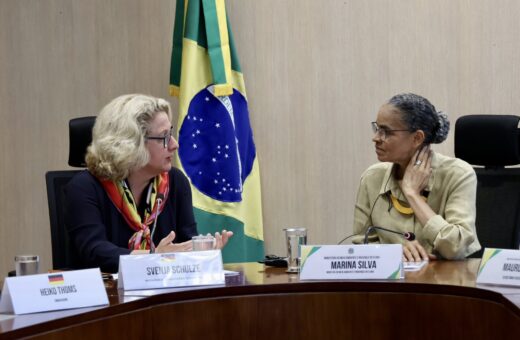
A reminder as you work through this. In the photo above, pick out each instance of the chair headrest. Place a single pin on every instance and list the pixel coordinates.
(80, 137)
(488, 140)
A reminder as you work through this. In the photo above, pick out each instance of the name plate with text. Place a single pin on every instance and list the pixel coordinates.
(500, 267)
(53, 291)
(344, 262)
(149, 271)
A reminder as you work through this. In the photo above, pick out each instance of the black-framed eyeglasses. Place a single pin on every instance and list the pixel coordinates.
(165, 139)
(384, 132)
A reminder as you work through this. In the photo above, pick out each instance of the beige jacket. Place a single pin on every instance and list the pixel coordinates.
(452, 193)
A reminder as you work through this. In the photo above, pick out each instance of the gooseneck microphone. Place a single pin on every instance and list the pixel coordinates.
(406, 235)
(384, 192)
(158, 200)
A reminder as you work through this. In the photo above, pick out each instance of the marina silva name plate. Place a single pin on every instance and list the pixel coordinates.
(339, 262)
(149, 271)
(53, 291)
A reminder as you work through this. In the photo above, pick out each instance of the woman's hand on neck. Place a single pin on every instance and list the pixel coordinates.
(402, 166)
(415, 180)
(417, 172)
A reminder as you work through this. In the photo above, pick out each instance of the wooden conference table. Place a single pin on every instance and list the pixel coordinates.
(440, 300)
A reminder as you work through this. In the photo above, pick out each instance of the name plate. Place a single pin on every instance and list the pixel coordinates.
(348, 262)
(53, 291)
(195, 268)
(500, 267)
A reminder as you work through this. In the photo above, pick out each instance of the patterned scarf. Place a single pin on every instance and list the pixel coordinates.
(122, 197)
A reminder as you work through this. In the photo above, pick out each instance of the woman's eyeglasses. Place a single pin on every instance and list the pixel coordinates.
(165, 139)
(384, 132)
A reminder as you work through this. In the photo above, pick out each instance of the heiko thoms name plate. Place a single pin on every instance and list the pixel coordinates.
(53, 291)
(499, 267)
(381, 261)
(195, 268)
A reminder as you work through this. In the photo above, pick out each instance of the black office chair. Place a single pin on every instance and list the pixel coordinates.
(493, 142)
(80, 136)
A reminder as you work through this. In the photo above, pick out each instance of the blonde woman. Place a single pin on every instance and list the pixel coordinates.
(130, 186)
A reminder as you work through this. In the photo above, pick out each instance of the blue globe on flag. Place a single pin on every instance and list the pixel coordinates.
(217, 149)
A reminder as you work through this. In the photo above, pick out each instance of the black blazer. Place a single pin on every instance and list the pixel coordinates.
(100, 233)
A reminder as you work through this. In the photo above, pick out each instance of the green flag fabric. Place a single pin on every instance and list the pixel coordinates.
(216, 146)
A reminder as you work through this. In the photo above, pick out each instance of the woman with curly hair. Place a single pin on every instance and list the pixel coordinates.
(414, 189)
(131, 200)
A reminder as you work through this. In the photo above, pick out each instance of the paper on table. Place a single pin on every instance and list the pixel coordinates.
(413, 266)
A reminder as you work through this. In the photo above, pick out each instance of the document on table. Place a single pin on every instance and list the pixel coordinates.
(413, 266)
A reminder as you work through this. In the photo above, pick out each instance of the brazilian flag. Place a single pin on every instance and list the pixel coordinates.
(216, 147)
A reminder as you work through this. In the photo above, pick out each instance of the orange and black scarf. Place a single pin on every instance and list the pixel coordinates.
(122, 197)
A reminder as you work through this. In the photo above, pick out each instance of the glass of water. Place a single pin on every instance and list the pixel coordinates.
(294, 237)
(27, 264)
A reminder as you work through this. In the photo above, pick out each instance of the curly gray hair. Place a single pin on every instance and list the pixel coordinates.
(419, 114)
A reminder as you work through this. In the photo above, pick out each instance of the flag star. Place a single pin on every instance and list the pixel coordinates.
(220, 193)
(194, 146)
(218, 173)
(188, 117)
(215, 181)
(217, 125)
(200, 119)
(207, 99)
(213, 159)
(200, 172)
(218, 146)
(223, 179)
(228, 185)
(193, 135)
(226, 155)
(224, 189)
(227, 146)
(218, 152)
(197, 132)
(194, 118)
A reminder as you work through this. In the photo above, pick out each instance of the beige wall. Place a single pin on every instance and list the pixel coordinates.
(316, 73)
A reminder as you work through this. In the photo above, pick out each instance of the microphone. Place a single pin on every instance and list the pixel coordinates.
(406, 235)
(158, 200)
(369, 216)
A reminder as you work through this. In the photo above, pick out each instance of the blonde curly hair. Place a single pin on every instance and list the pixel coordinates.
(118, 136)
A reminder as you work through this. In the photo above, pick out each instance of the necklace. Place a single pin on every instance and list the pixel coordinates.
(400, 207)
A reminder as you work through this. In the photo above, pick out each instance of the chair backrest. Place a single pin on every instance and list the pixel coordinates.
(493, 142)
(63, 256)
(80, 136)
